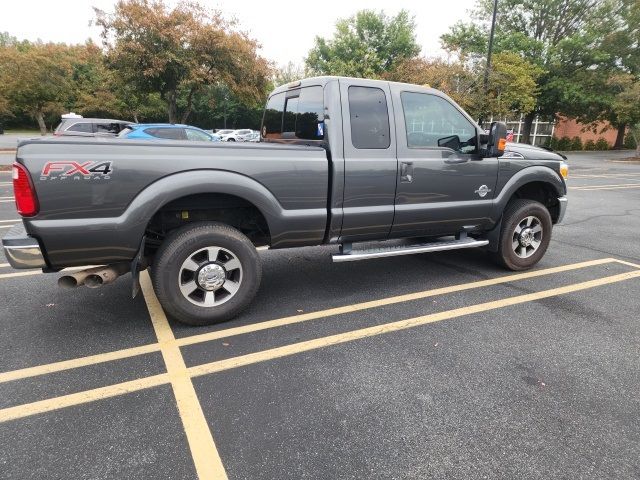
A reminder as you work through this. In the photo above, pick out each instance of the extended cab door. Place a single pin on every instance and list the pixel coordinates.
(370, 159)
(444, 185)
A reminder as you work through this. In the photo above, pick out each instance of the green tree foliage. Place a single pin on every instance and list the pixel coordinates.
(365, 45)
(37, 79)
(534, 29)
(179, 51)
(287, 74)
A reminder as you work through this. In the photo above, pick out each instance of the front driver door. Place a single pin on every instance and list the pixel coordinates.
(443, 184)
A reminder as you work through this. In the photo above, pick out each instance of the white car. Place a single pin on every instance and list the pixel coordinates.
(237, 135)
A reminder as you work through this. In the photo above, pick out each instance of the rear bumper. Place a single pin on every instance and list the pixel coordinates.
(563, 208)
(21, 250)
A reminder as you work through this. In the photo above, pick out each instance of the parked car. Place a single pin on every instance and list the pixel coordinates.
(399, 169)
(223, 131)
(254, 137)
(78, 126)
(168, 131)
(238, 135)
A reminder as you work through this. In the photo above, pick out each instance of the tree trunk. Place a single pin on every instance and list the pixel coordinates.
(526, 127)
(187, 110)
(40, 119)
(172, 105)
(620, 137)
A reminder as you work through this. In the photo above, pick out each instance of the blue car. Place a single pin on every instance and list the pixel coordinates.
(167, 131)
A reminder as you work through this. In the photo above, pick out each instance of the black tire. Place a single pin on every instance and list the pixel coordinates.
(231, 140)
(191, 242)
(515, 216)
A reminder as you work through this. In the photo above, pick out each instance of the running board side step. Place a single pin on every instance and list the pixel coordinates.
(352, 255)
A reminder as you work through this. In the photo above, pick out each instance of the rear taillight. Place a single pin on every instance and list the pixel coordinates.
(23, 191)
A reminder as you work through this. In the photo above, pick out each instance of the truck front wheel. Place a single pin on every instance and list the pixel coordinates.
(525, 235)
(206, 273)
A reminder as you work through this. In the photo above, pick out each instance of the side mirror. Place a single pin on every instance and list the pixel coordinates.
(497, 140)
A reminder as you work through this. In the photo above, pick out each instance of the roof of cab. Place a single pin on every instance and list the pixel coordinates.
(323, 80)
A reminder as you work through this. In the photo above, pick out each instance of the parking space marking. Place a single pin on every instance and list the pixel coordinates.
(203, 449)
(615, 185)
(15, 220)
(588, 189)
(87, 396)
(234, 331)
(229, 332)
(4, 265)
(51, 404)
(77, 362)
(300, 347)
(6, 226)
(7, 201)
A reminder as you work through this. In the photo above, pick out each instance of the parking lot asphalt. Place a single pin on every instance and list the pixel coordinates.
(425, 366)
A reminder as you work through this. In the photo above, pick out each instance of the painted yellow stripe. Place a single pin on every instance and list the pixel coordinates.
(26, 273)
(51, 404)
(134, 351)
(135, 385)
(590, 189)
(295, 348)
(383, 302)
(607, 186)
(13, 220)
(6, 226)
(77, 362)
(4, 265)
(624, 262)
(203, 449)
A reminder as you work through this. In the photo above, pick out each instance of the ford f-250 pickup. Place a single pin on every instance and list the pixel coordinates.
(379, 168)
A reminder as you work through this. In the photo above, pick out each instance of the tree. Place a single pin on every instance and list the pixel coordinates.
(512, 85)
(534, 29)
(36, 79)
(287, 74)
(178, 52)
(365, 45)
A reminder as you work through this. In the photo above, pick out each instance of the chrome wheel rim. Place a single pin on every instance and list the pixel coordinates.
(210, 276)
(527, 237)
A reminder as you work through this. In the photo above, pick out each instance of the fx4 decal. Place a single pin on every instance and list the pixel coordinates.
(66, 169)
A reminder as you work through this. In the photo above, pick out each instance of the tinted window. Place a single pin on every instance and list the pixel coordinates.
(432, 121)
(197, 135)
(170, 133)
(300, 116)
(112, 128)
(81, 127)
(369, 118)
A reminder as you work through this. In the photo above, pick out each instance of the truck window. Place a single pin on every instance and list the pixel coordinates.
(369, 118)
(297, 114)
(432, 121)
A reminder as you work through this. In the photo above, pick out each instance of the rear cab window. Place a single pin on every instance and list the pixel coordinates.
(369, 117)
(297, 114)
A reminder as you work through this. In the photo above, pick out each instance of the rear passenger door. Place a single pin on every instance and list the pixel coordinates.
(370, 160)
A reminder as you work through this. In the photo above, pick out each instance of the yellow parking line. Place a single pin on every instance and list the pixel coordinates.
(616, 187)
(51, 404)
(229, 332)
(26, 410)
(77, 362)
(14, 220)
(624, 262)
(35, 272)
(203, 449)
(7, 201)
(205, 337)
(6, 226)
(295, 348)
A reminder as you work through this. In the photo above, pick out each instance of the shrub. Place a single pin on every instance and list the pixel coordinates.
(589, 145)
(630, 142)
(576, 143)
(602, 144)
(564, 144)
(552, 143)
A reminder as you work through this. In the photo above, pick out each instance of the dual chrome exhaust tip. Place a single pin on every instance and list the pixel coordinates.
(94, 277)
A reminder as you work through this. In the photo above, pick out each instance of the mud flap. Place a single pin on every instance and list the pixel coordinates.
(494, 237)
(135, 263)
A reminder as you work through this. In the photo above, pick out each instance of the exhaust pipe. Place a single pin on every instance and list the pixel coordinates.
(104, 275)
(94, 277)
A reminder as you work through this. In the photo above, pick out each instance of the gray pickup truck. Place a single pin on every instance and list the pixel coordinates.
(379, 168)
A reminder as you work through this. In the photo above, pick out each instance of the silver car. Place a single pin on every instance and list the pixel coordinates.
(90, 127)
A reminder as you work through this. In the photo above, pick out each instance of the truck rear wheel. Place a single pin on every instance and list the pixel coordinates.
(525, 234)
(206, 273)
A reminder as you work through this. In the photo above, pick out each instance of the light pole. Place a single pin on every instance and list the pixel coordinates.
(487, 67)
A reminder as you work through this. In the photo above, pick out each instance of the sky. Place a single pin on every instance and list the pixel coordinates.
(286, 29)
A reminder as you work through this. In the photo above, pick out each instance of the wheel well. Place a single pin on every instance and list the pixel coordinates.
(540, 192)
(228, 209)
